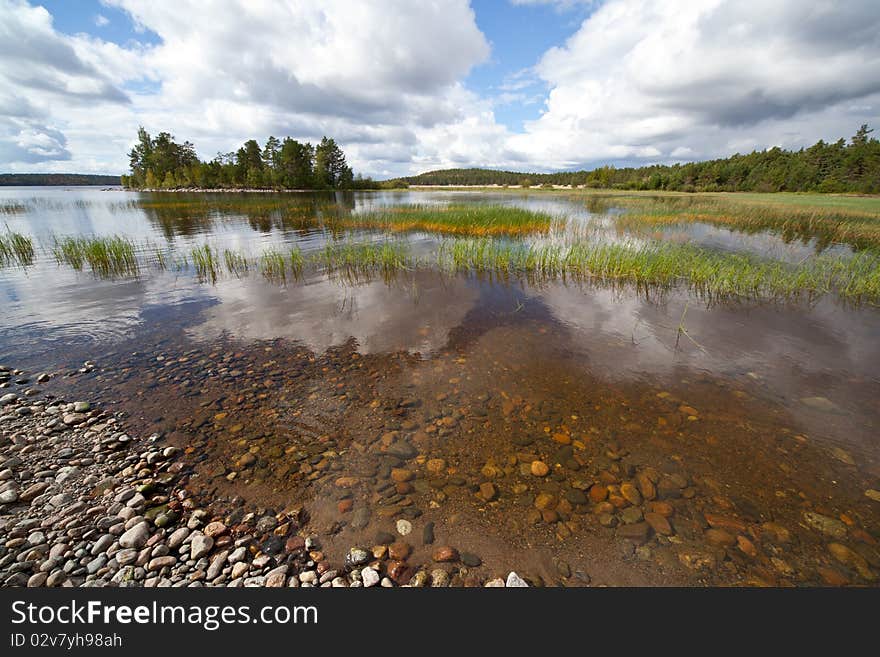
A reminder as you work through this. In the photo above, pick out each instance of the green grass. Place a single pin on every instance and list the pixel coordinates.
(236, 263)
(713, 275)
(106, 256)
(16, 249)
(854, 221)
(458, 219)
(206, 263)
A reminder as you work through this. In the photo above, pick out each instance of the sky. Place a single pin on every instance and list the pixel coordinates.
(406, 87)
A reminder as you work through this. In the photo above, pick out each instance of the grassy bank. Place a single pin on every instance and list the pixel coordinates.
(472, 219)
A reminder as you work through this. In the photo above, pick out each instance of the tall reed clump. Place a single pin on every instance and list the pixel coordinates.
(206, 263)
(236, 263)
(16, 248)
(476, 220)
(714, 275)
(106, 256)
(355, 259)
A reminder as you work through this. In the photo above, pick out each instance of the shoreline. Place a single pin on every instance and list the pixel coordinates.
(83, 503)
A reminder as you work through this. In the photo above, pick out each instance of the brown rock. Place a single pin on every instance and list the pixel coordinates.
(540, 469)
(746, 546)
(549, 516)
(631, 494)
(545, 501)
(344, 506)
(598, 493)
(444, 554)
(637, 532)
(562, 438)
(853, 559)
(725, 522)
(832, 577)
(294, 543)
(607, 478)
(399, 550)
(488, 491)
(665, 509)
(646, 486)
(658, 523)
(214, 529)
(346, 482)
(435, 466)
(401, 474)
(399, 572)
(778, 532)
(719, 537)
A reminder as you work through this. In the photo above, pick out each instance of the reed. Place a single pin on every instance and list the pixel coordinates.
(206, 263)
(475, 219)
(16, 249)
(108, 257)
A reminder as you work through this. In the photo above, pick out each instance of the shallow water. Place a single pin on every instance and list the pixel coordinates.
(321, 378)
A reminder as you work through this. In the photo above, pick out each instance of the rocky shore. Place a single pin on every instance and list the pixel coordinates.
(84, 502)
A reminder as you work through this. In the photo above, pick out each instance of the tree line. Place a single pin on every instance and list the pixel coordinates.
(851, 167)
(161, 163)
(65, 179)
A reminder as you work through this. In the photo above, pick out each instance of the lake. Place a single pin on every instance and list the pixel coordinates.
(681, 439)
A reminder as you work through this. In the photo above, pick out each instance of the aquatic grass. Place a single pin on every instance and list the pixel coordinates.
(457, 219)
(106, 256)
(16, 248)
(355, 260)
(857, 225)
(236, 263)
(661, 266)
(273, 265)
(205, 262)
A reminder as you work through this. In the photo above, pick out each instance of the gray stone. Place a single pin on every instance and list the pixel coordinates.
(200, 545)
(514, 580)
(178, 536)
(357, 556)
(136, 537)
(102, 544)
(66, 473)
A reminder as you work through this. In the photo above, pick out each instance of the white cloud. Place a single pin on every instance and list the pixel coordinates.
(655, 80)
(101, 20)
(639, 81)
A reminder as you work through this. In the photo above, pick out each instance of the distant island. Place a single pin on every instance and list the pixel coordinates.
(161, 163)
(55, 179)
(839, 167)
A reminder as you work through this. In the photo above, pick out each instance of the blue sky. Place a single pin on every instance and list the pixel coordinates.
(532, 85)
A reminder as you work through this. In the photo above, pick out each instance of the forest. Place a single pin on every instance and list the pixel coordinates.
(841, 167)
(55, 179)
(161, 163)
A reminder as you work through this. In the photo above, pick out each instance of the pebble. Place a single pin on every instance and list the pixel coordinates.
(539, 469)
(200, 545)
(825, 524)
(357, 556)
(471, 560)
(369, 577)
(515, 581)
(404, 527)
(136, 537)
(445, 553)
